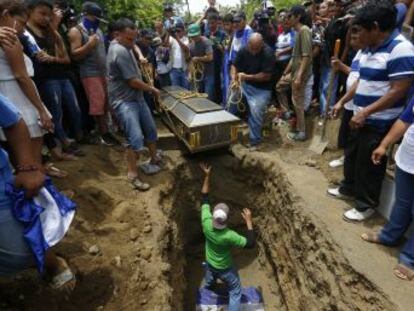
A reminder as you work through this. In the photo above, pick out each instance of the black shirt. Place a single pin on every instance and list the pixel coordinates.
(251, 64)
(43, 70)
(336, 29)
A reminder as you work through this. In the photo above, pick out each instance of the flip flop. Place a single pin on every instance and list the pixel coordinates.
(403, 272)
(68, 157)
(55, 172)
(371, 237)
(64, 280)
(139, 185)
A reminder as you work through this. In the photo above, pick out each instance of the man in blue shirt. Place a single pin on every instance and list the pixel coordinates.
(170, 20)
(386, 73)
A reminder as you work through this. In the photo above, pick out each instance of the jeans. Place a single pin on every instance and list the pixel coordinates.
(257, 100)
(178, 77)
(137, 123)
(57, 94)
(232, 280)
(362, 178)
(323, 88)
(401, 216)
(208, 86)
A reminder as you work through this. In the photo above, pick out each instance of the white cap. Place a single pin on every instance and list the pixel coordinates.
(220, 216)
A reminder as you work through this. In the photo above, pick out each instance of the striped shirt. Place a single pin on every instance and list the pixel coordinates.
(392, 61)
(352, 78)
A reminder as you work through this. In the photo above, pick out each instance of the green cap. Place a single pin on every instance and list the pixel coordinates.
(194, 30)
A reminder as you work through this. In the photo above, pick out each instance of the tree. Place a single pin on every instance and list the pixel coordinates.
(143, 11)
(250, 6)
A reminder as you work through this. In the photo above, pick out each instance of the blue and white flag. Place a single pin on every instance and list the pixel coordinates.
(208, 300)
(46, 218)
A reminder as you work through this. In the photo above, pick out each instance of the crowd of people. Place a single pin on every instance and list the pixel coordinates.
(67, 80)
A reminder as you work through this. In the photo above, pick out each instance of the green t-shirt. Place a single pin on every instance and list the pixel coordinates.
(219, 242)
(303, 47)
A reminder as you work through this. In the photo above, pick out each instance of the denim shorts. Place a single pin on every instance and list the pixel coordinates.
(137, 122)
(15, 254)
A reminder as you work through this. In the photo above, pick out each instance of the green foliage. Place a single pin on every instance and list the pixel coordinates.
(250, 6)
(146, 12)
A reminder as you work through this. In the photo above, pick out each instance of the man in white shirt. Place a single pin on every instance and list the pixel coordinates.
(179, 53)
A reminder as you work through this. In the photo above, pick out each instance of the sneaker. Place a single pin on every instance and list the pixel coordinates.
(287, 115)
(299, 136)
(108, 139)
(337, 163)
(354, 215)
(253, 148)
(149, 168)
(334, 192)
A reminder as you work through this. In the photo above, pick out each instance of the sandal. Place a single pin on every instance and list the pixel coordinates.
(55, 172)
(403, 272)
(371, 237)
(74, 149)
(64, 280)
(68, 157)
(139, 185)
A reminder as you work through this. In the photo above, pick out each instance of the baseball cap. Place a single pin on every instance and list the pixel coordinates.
(194, 30)
(220, 216)
(239, 17)
(91, 8)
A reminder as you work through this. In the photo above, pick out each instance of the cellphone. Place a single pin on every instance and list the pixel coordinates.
(14, 24)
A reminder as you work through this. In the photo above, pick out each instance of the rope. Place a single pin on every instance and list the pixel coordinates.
(235, 92)
(148, 73)
(196, 70)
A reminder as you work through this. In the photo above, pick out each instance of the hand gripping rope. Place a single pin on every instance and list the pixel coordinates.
(196, 70)
(235, 96)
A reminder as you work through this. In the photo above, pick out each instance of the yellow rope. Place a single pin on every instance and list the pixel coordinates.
(235, 88)
(148, 73)
(196, 70)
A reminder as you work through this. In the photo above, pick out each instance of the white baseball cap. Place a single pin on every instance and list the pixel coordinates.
(220, 215)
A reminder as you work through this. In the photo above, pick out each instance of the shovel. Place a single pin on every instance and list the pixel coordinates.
(319, 141)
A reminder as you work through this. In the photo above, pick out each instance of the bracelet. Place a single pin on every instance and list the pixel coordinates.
(26, 168)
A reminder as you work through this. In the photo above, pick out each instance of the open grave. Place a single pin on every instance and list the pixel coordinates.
(296, 265)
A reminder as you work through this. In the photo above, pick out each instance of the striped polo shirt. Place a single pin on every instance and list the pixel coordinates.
(393, 60)
(352, 78)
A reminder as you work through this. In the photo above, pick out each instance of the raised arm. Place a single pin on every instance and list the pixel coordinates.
(77, 50)
(206, 183)
(251, 239)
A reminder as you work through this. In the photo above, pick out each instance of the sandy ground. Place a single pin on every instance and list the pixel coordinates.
(147, 254)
